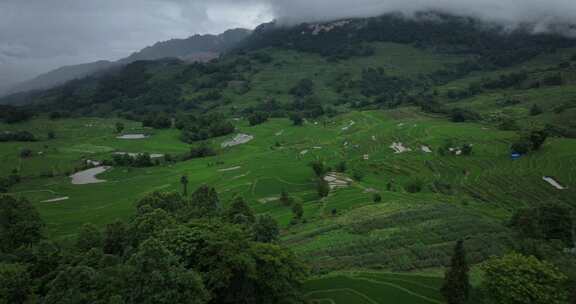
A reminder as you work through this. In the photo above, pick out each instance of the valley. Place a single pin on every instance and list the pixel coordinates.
(370, 159)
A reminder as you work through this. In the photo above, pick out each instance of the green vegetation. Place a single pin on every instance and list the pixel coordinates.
(165, 254)
(519, 279)
(456, 288)
(363, 159)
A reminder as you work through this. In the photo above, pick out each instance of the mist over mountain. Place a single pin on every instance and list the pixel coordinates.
(195, 48)
(68, 33)
(545, 15)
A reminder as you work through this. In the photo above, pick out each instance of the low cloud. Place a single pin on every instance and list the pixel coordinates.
(504, 11)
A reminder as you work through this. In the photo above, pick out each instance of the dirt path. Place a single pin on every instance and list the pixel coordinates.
(132, 136)
(56, 199)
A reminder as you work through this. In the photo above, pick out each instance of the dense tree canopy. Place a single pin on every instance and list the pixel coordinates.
(20, 223)
(517, 279)
(164, 254)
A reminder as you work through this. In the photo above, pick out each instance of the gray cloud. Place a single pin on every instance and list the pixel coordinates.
(39, 35)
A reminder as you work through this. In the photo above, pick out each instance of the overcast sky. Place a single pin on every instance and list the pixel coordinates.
(40, 35)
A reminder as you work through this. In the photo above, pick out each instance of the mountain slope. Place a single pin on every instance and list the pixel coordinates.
(196, 48)
(61, 76)
(312, 69)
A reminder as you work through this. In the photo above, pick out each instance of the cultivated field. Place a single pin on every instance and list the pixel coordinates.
(428, 200)
(373, 288)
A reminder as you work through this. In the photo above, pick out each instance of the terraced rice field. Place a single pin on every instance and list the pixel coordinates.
(374, 288)
(458, 196)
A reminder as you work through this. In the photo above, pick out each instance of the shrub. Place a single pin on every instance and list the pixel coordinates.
(25, 153)
(358, 175)
(377, 197)
(258, 118)
(522, 146)
(538, 138)
(536, 110)
(285, 199)
(201, 151)
(319, 168)
(414, 186)
(297, 119)
(509, 125)
(342, 167)
(303, 88)
(467, 150)
(323, 188)
(464, 115)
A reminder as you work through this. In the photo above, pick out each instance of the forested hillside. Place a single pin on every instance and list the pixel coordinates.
(381, 62)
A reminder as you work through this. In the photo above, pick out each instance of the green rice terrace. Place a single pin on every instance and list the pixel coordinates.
(428, 201)
(369, 288)
(485, 186)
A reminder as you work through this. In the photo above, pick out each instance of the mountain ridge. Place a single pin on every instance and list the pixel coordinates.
(194, 48)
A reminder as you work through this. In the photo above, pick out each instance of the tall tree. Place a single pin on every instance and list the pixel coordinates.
(235, 270)
(156, 276)
(119, 127)
(266, 229)
(90, 237)
(239, 212)
(20, 223)
(168, 201)
(319, 168)
(285, 198)
(115, 238)
(15, 284)
(323, 188)
(205, 200)
(536, 110)
(72, 285)
(149, 224)
(184, 182)
(456, 287)
(297, 210)
(538, 138)
(297, 119)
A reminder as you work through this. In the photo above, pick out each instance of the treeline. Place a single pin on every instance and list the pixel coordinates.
(202, 127)
(139, 160)
(12, 114)
(176, 249)
(515, 80)
(24, 136)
